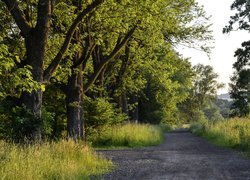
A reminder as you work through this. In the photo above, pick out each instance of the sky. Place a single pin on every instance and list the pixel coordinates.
(222, 57)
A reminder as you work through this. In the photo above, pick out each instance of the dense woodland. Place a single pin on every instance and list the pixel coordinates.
(72, 68)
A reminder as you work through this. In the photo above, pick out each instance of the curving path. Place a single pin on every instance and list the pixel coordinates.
(182, 156)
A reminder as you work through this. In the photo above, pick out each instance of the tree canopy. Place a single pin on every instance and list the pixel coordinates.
(78, 65)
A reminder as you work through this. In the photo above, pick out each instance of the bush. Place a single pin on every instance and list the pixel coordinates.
(213, 114)
(198, 127)
(100, 113)
(199, 123)
(18, 125)
(61, 160)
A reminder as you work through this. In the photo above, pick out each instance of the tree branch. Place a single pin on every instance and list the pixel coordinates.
(107, 59)
(54, 64)
(18, 16)
(86, 55)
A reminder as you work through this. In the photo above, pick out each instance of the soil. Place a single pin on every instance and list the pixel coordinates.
(182, 156)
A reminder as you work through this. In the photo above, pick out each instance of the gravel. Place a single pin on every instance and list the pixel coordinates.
(182, 156)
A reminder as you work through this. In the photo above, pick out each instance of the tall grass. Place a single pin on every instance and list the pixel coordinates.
(61, 160)
(129, 135)
(234, 133)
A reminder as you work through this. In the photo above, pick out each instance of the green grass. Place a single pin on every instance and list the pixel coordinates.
(70, 160)
(61, 160)
(233, 133)
(129, 135)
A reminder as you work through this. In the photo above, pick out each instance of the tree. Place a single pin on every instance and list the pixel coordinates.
(106, 52)
(240, 92)
(205, 86)
(35, 40)
(167, 84)
(111, 33)
(240, 81)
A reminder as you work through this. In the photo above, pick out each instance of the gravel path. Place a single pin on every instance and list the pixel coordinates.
(182, 156)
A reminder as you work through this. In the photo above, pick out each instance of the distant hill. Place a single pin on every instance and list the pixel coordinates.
(225, 96)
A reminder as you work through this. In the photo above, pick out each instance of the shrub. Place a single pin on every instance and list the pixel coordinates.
(19, 124)
(100, 113)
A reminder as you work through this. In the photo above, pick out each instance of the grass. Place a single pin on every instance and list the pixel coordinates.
(70, 160)
(233, 133)
(129, 135)
(56, 160)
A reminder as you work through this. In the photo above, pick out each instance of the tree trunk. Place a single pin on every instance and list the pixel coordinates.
(123, 97)
(134, 114)
(123, 104)
(73, 102)
(82, 120)
(35, 44)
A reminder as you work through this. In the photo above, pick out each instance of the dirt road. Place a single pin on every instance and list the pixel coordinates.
(182, 156)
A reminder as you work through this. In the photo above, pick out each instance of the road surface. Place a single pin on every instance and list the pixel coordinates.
(182, 156)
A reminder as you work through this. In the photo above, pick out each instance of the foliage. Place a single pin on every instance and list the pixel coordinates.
(19, 123)
(112, 73)
(234, 133)
(205, 86)
(240, 17)
(239, 87)
(14, 80)
(54, 101)
(199, 126)
(168, 82)
(205, 83)
(129, 135)
(224, 106)
(56, 160)
(213, 113)
(99, 112)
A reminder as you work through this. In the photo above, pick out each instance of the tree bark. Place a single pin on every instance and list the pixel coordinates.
(134, 114)
(123, 97)
(123, 103)
(35, 43)
(75, 126)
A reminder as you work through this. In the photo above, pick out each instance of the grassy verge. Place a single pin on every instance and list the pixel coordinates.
(61, 160)
(129, 135)
(233, 133)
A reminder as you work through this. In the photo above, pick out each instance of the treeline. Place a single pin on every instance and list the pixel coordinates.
(202, 105)
(77, 66)
(231, 132)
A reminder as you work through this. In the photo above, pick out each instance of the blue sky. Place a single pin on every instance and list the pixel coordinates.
(222, 56)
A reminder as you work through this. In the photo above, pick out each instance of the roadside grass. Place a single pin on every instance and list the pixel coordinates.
(71, 160)
(56, 160)
(128, 135)
(233, 133)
